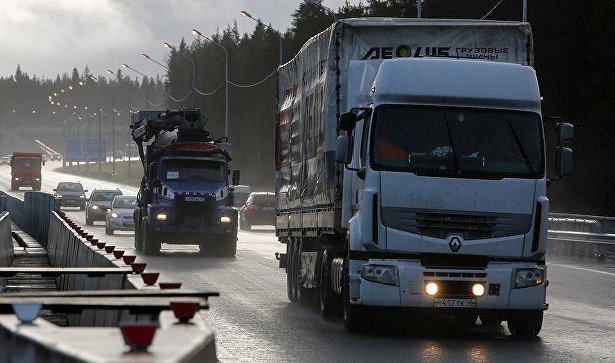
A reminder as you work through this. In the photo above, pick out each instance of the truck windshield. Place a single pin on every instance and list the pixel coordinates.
(27, 162)
(193, 169)
(457, 142)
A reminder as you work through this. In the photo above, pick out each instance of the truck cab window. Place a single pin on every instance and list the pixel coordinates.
(193, 169)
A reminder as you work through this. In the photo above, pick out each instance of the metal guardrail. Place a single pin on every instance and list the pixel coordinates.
(581, 223)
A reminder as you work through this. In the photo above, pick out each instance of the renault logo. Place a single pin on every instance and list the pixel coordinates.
(455, 244)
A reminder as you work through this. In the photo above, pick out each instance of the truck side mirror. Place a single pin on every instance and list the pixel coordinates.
(342, 150)
(152, 172)
(347, 121)
(563, 158)
(565, 132)
(235, 177)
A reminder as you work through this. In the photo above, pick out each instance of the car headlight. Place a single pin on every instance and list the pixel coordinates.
(82, 196)
(37, 179)
(114, 215)
(525, 277)
(94, 207)
(161, 216)
(225, 219)
(381, 274)
(16, 178)
(58, 196)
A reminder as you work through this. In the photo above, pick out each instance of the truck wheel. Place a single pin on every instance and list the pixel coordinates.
(352, 314)
(525, 324)
(14, 187)
(326, 294)
(304, 296)
(82, 207)
(89, 221)
(150, 243)
(109, 230)
(138, 237)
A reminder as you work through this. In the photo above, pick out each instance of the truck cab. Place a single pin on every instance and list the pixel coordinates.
(184, 196)
(445, 190)
(26, 170)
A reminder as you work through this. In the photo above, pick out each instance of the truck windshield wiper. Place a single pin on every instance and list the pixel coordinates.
(520, 146)
(450, 139)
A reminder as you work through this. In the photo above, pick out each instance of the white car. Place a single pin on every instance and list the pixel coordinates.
(120, 215)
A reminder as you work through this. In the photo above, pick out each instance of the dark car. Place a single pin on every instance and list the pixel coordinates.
(70, 194)
(258, 210)
(98, 203)
(120, 216)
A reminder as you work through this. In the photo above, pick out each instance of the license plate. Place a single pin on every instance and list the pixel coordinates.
(454, 303)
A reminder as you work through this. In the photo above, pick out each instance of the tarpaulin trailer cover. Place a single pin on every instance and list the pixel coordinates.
(312, 90)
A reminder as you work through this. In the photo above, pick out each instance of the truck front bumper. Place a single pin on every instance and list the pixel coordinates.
(182, 235)
(412, 277)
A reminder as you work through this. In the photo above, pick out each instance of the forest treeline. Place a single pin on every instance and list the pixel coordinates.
(573, 58)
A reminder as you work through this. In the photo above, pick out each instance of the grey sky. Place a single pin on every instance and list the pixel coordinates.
(47, 37)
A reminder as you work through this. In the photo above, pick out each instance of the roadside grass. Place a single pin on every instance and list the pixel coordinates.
(121, 175)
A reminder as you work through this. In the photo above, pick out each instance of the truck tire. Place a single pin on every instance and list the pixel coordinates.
(138, 237)
(525, 324)
(222, 247)
(150, 242)
(109, 230)
(82, 207)
(289, 269)
(14, 187)
(88, 220)
(352, 314)
(303, 296)
(327, 297)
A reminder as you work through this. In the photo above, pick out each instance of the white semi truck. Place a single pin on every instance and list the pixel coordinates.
(411, 171)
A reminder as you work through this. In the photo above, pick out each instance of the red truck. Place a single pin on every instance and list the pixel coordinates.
(26, 170)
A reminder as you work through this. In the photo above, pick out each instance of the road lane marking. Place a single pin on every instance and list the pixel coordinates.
(583, 269)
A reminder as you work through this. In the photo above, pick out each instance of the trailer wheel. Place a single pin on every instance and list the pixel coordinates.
(525, 324)
(352, 314)
(289, 269)
(326, 295)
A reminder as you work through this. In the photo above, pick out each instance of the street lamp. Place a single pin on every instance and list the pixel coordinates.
(245, 14)
(199, 34)
(146, 56)
(169, 46)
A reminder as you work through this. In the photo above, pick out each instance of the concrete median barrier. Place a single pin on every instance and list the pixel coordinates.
(6, 244)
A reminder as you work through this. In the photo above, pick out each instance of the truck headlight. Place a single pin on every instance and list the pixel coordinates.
(114, 215)
(525, 277)
(431, 288)
(161, 216)
(478, 289)
(381, 274)
(225, 219)
(94, 207)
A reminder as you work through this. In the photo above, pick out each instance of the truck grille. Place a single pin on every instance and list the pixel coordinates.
(196, 213)
(469, 225)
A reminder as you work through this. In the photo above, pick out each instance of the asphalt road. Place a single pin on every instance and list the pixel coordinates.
(254, 320)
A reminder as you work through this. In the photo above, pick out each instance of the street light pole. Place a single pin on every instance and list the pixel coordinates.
(198, 33)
